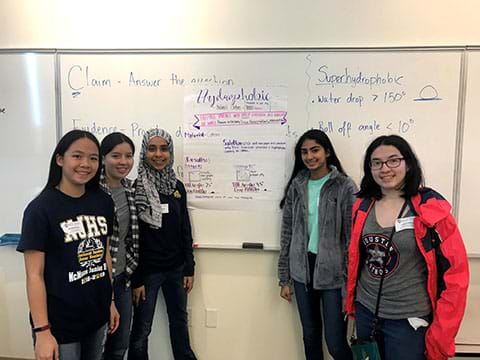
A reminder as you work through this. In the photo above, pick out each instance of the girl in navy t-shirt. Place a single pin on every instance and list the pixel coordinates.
(68, 266)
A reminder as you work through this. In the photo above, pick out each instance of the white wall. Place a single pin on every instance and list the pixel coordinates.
(253, 322)
(15, 335)
(236, 23)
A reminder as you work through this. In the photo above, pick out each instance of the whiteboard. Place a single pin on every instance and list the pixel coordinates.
(352, 95)
(469, 198)
(27, 131)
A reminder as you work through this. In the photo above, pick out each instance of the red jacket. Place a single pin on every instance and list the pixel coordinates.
(446, 260)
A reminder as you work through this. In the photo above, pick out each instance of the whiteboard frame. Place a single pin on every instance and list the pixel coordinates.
(462, 50)
(468, 50)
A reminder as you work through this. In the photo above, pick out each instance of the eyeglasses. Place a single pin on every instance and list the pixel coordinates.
(391, 163)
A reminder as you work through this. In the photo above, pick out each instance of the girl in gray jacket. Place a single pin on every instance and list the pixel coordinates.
(314, 240)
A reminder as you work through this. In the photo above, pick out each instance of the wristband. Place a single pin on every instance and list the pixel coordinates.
(41, 328)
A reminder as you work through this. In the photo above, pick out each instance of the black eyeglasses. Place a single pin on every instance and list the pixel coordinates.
(391, 163)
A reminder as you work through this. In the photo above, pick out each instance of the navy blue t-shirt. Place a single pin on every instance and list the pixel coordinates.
(72, 232)
(169, 247)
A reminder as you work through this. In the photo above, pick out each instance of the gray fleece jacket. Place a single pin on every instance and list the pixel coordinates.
(334, 222)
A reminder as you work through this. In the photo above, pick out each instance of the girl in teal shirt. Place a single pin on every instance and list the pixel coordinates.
(314, 240)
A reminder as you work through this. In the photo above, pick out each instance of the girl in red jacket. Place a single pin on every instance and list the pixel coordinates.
(424, 263)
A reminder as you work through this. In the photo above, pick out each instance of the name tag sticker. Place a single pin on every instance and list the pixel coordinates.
(164, 208)
(404, 223)
(73, 227)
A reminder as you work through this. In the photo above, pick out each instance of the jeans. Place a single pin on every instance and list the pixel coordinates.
(308, 302)
(88, 348)
(171, 283)
(397, 339)
(117, 343)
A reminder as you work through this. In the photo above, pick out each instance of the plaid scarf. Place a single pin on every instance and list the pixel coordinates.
(132, 240)
(151, 182)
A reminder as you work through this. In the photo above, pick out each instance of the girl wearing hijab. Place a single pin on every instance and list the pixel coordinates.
(166, 254)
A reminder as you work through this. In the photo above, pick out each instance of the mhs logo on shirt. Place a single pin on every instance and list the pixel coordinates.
(85, 226)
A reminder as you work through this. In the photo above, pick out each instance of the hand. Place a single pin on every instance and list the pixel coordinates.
(286, 293)
(114, 318)
(138, 294)
(46, 347)
(188, 283)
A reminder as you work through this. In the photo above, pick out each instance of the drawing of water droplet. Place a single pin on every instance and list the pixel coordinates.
(428, 92)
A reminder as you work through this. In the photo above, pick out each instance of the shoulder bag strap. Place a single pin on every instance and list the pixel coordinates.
(375, 320)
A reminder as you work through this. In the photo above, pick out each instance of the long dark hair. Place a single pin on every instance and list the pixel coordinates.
(114, 139)
(321, 139)
(413, 177)
(55, 173)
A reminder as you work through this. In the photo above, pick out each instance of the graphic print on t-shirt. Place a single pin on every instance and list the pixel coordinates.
(376, 255)
(90, 252)
(85, 231)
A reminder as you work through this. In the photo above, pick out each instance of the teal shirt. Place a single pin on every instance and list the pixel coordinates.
(314, 188)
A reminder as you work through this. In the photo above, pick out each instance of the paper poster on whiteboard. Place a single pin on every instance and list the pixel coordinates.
(234, 147)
